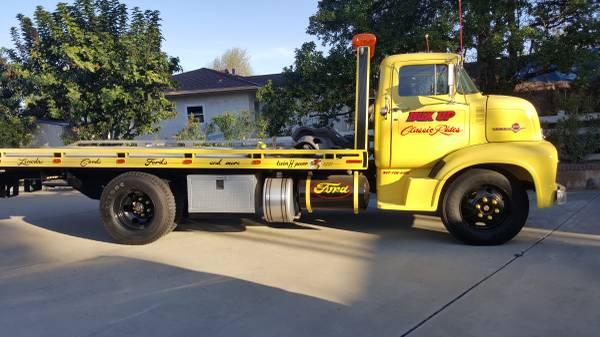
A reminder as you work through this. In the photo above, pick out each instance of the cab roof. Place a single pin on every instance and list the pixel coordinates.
(411, 57)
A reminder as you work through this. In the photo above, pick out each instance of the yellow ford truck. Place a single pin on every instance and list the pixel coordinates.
(439, 146)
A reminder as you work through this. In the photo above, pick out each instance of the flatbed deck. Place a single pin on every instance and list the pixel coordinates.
(116, 157)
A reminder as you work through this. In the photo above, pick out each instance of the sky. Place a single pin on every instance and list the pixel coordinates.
(198, 31)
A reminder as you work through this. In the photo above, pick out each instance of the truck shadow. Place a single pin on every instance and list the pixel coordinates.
(118, 296)
(390, 225)
(87, 225)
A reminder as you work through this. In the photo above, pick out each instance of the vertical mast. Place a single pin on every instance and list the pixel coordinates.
(364, 46)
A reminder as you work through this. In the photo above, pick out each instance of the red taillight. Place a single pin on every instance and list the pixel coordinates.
(120, 161)
(56, 161)
(187, 162)
(353, 161)
(256, 162)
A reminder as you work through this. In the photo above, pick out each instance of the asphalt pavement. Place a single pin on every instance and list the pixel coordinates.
(335, 274)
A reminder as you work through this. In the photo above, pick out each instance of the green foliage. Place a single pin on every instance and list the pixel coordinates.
(567, 36)
(315, 86)
(96, 66)
(501, 36)
(497, 30)
(234, 59)
(279, 108)
(239, 125)
(572, 144)
(15, 127)
(575, 137)
(15, 130)
(195, 131)
(322, 85)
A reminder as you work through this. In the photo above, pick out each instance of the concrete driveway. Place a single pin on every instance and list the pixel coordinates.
(378, 274)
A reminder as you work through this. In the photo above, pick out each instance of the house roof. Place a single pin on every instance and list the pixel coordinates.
(206, 80)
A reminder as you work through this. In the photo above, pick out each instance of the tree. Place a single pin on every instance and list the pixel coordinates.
(321, 85)
(503, 37)
(195, 131)
(15, 127)
(239, 125)
(316, 86)
(568, 37)
(96, 66)
(235, 61)
(497, 32)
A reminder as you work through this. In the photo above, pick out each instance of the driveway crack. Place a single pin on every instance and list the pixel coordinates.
(502, 267)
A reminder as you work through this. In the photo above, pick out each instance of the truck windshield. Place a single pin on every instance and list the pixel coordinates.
(423, 80)
(465, 83)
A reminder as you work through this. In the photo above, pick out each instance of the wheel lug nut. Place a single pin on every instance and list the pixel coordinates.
(485, 199)
(496, 211)
(489, 217)
(478, 206)
(480, 215)
(494, 202)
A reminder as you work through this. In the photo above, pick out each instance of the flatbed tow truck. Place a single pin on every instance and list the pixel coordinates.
(440, 146)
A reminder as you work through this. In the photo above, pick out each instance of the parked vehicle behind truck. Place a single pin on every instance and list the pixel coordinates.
(440, 146)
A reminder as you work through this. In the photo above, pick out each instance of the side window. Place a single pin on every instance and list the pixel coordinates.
(465, 83)
(423, 80)
(196, 112)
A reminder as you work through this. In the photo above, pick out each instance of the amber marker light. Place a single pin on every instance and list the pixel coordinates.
(365, 40)
(56, 161)
(187, 161)
(120, 161)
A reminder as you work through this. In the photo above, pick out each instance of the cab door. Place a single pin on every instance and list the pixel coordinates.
(426, 122)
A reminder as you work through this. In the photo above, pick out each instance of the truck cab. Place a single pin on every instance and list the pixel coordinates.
(433, 127)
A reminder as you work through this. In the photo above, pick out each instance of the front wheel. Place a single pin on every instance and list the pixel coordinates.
(485, 207)
(137, 208)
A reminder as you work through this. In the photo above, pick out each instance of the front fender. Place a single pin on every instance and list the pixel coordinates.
(538, 158)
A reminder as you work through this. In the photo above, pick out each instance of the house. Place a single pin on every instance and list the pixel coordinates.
(202, 93)
(205, 93)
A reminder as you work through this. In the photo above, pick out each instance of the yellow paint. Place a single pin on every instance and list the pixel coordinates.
(307, 194)
(260, 159)
(460, 131)
(355, 191)
(497, 131)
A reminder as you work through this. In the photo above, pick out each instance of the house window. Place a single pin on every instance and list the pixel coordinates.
(196, 112)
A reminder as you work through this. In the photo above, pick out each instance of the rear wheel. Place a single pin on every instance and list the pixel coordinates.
(137, 208)
(484, 207)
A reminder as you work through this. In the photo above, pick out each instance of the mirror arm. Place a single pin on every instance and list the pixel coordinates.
(452, 81)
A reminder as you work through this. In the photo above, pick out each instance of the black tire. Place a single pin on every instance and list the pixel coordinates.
(137, 208)
(485, 207)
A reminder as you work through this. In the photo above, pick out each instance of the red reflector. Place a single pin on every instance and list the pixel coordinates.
(56, 161)
(187, 162)
(256, 162)
(120, 161)
(354, 161)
